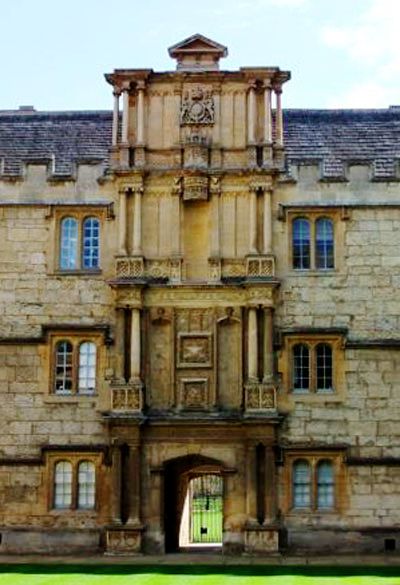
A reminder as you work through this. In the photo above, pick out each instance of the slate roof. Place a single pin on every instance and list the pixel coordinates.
(329, 137)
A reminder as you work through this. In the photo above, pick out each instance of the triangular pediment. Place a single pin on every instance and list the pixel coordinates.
(198, 44)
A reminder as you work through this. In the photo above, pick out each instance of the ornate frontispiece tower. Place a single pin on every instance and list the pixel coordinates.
(196, 153)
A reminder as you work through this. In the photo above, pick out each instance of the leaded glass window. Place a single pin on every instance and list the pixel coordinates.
(69, 244)
(325, 485)
(324, 367)
(301, 484)
(301, 244)
(63, 485)
(87, 368)
(91, 243)
(86, 485)
(301, 368)
(63, 368)
(324, 246)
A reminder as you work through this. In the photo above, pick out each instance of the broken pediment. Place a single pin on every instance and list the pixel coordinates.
(198, 53)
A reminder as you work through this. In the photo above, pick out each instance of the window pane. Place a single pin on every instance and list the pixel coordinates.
(324, 367)
(301, 368)
(63, 368)
(91, 242)
(69, 244)
(324, 254)
(325, 485)
(301, 484)
(86, 484)
(63, 485)
(301, 244)
(87, 368)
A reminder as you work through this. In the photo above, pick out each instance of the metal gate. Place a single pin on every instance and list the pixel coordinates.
(206, 509)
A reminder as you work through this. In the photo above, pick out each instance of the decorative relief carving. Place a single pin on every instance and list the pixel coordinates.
(260, 266)
(194, 393)
(194, 350)
(233, 268)
(260, 397)
(195, 188)
(214, 268)
(137, 267)
(127, 398)
(123, 541)
(129, 267)
(197, 107)
(160, 316)
(229, 316)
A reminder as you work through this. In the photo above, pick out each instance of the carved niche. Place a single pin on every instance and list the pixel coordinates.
(197, 107)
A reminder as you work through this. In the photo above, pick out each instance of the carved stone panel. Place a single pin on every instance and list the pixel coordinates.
(195, 188)
(197, 107)
(194, 350)
(123, 541)
(194, 393)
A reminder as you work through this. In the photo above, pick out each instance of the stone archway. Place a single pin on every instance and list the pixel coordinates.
(177, 475)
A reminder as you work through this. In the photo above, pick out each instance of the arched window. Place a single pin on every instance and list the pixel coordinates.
(301, 244)
(325, 485)
(63, 485)
(301, 368)
(324, 367)
(91, 243)
(86, 485)
(69, 244)
(324, 248)
(301, 484)
(87, 368)
(63, 377)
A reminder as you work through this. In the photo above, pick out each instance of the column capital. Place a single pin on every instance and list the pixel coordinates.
(125, 86)
(267, 84)
(251, 84)
(117, 92)
(277, 89)
(140, 85)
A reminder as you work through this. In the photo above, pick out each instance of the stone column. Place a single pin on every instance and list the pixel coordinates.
(175, 223)
(267, 114)
(122, 251)
(120, 346)
(140, 113)
(125, 114)
(251, 113)
(267, 221)
(270, 504)
(251, 484)
(252, 373)
(279, 117)
(137, 223)
(133, 485)
(115, 125)
(215, 228)
(253, 222)
(135, 346)
(268, 357)
(115, 502)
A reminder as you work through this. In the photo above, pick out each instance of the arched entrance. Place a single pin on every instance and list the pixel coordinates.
(193, 502)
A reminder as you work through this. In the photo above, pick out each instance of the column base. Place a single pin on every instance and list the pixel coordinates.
(261, 539)
(123, 540)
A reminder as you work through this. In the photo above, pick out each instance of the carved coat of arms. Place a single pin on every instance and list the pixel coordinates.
(197, 107)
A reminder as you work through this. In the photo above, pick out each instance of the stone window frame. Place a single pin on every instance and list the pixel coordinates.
(313, 214)
(314, 458)
(80, 214)
(74, 459)
(76, 338)
(336, 342)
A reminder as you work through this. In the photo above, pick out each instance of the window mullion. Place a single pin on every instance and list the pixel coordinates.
(75, 367)
(74, 498)
(313, 366)
(312, 244)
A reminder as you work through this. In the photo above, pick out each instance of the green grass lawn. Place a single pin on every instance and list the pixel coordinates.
(195, 575)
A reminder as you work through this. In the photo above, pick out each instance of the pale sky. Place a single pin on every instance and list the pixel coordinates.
(342, 53)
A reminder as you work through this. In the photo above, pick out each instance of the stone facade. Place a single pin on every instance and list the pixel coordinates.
(194, 312)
